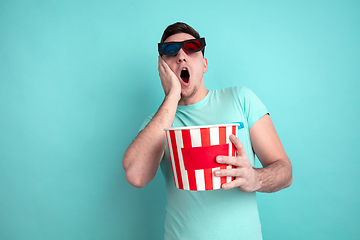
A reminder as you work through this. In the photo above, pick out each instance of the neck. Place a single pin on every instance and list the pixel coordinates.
(195, 98)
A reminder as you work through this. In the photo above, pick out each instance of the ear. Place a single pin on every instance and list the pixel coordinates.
(205, 65)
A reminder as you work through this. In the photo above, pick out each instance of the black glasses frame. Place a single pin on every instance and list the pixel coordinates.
(181, 45)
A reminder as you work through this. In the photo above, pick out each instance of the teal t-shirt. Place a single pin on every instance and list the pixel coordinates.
(216, 214)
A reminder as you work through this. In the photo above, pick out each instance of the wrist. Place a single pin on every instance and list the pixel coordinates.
(173, 96)
(259, 178)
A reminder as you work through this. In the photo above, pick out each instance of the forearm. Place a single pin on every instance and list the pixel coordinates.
(275, 176)
(142, 158)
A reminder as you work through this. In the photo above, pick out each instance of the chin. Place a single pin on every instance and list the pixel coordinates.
(188, 93)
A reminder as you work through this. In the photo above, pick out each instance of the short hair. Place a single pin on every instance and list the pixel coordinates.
(180, 27)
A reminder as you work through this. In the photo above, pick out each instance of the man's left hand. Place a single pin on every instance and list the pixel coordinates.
(247, 179)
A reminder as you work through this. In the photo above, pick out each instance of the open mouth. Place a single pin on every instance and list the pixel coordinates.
(185, 75)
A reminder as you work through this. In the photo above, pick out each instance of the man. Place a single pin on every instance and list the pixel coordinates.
(231, 212)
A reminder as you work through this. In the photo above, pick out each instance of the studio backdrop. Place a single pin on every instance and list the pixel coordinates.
(78, 78)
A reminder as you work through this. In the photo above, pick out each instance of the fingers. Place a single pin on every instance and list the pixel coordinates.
(234, 172)
(161, 61)
(237, 173)
(169, 81)
(244, 179)
(235, 161)
(162, 65)
(240, 150)
(236, 183)
(164, 69)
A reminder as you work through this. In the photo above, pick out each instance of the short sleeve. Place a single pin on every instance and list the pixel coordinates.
(251, 105)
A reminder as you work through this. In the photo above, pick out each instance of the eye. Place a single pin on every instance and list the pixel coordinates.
(170, 48)
(192, 46)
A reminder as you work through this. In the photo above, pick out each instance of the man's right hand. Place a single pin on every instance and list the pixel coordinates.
(142, 158)
(169, 81)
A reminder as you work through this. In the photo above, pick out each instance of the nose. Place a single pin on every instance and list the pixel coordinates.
(181, 56)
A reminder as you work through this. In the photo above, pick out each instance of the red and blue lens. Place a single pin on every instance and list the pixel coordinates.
(190, 46)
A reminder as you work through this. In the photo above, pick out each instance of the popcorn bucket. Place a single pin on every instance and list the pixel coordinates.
(193, 151)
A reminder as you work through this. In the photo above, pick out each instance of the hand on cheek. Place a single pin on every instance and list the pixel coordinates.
(169, 80)
(246, 177)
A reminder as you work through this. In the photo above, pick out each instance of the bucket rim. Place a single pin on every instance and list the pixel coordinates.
(202, 126)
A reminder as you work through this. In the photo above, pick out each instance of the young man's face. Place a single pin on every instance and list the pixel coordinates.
(189, 68)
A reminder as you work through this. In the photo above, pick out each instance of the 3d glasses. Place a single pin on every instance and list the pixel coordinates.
(190, 46)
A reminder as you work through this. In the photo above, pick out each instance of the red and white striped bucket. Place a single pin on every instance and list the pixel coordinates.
(193, 151)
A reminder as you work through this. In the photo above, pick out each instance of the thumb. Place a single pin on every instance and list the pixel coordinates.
(240, 150)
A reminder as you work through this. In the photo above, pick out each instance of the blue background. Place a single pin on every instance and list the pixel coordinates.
(77, 79)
